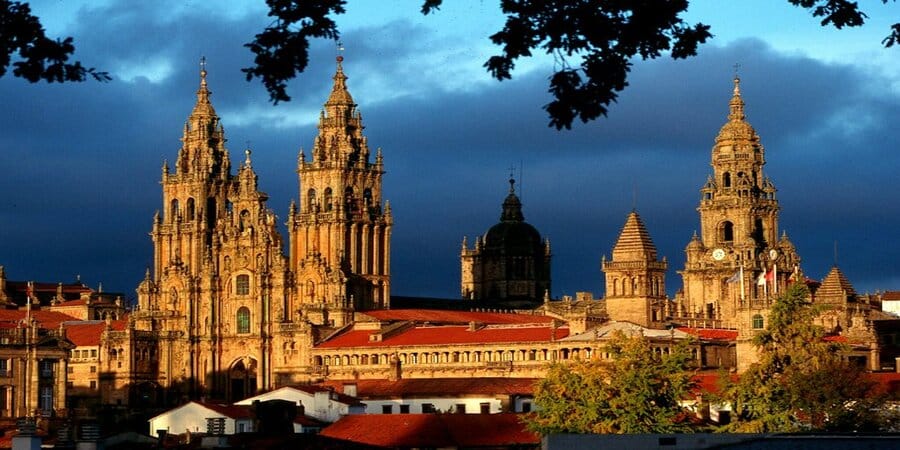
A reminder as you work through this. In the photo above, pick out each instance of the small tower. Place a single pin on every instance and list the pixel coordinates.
(510, 264)
(635, 277)
(340, 234)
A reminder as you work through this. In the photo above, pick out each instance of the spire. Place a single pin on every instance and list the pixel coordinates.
(737, 103)
(203, 106)
(634, 241)
(339, 93)
(512, 207)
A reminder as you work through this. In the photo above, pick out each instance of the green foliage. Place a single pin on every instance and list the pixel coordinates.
(592, 41)
(39, 57)
(801, 382)
(635, 391)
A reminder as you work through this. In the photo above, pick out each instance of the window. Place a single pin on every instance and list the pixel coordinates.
(460, 408)
(387, 409)
(404, 409)
(327, 199)
(240, 428)
(243, 320)
(757, 322)
(46, 398)
(93, 353)
(485, 408)
(70, 369)
(46, 369)
(428, 408)
(727, 232)
(242, 285)
(70, 384)
(526, 407)
(93, 369)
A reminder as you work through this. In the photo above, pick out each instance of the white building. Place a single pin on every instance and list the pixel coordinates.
(318, 402)
(192, 418)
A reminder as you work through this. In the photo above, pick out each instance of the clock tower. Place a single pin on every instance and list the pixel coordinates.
(738, 261)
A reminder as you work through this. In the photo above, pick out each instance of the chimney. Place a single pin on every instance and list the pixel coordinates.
(350, 389)
(301, 410)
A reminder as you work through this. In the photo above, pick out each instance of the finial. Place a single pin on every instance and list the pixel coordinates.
(340, 52)
(203, 71)
(512, 180)
(247, 152)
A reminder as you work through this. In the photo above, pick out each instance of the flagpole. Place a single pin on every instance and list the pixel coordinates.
(775, 276)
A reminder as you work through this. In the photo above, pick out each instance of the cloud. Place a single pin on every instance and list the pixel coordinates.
(83, 161)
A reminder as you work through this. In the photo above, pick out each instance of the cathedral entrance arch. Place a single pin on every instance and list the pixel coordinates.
(242, 378)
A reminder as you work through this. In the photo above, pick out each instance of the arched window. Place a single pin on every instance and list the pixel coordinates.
(174, 209)
(326, 199)
(726, 180)
(242, 285)
(310, 200)
(757, 322)
(190, 209)
(243, 320)
(245, 220)
(348, 199)
(727, 232)
(367, 196)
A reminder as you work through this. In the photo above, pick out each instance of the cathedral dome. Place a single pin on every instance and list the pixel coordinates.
(513, 235)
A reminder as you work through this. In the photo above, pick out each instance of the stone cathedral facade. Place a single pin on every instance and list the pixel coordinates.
(232, 314)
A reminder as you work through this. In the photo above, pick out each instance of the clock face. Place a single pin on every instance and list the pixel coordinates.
(773, 254)
(718, 254)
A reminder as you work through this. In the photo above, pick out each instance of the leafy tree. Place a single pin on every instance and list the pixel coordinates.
(636, 391)
(593, 43)
(801, 382)
(40, 58)
(601, 37)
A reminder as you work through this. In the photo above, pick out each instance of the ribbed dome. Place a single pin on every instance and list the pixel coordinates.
(513, 234)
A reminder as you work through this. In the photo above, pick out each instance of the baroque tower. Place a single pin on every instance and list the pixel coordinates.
(217, 269)
(635, 277)
(510, 264)
(738, 261)
(340, 234)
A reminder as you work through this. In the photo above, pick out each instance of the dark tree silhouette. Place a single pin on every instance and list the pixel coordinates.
(39, 57)
(593, 43)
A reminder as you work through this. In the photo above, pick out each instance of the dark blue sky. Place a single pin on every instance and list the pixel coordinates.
(82, 162)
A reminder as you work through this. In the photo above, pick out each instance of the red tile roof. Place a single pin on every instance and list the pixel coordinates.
(433, 430)
(716, 334)
(88, 332)
(891, 295)
(455, 317)
(45, 319)
(448, 334)
(442, 387)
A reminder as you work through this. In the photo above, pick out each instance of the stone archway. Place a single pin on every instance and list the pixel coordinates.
(242, 379)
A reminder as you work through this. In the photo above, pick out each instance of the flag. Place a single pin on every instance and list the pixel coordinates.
(734, 278)
(761, 281)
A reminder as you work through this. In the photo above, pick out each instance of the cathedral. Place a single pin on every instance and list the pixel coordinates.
(225, 312)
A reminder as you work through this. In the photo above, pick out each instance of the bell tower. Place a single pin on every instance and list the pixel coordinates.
(219, 275)
(635, 277)
(340, 233)
(738, 257)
